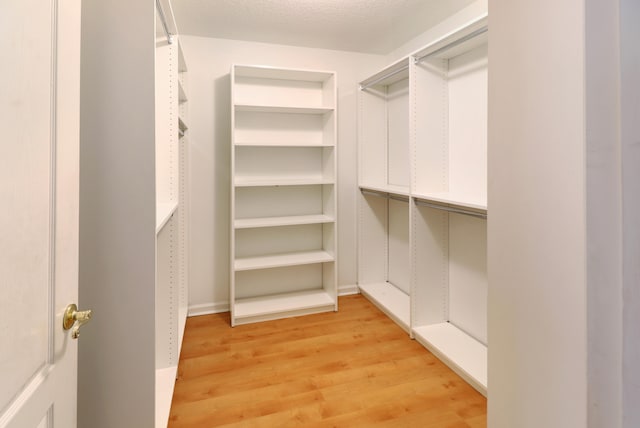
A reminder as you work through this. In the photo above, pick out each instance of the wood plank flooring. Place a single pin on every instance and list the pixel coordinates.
(352, 368)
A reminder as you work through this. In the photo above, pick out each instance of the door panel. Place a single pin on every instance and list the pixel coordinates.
(39, 112)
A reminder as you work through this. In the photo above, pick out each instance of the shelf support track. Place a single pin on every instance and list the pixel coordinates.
(163, 19)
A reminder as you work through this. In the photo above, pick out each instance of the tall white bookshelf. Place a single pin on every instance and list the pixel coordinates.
(283, 193)
(423, 203)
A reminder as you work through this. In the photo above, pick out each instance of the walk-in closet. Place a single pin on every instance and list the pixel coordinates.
(315, 213)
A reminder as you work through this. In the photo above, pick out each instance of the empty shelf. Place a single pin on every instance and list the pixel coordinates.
(390, 300)
(246, 223)
(292, 304)
(283, 109)
(271, 181)
(183, 126)
(453, 199)
(182, 96)
(280, 144)
(282, 260)
(461, 352)
(388, 188)
(164, 211)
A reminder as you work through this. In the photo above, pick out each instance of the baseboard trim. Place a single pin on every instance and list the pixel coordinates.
(208, 309)
(216, 308)
(348, 290)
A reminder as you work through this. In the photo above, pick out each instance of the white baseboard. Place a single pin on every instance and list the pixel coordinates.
(347, 290)
(216, 308)
(208, 308)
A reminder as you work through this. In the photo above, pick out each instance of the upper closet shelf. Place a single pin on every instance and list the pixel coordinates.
(283, 109)
(392, 74)
(456, 42)
(387, 190)
(451, 199)
(263, 72)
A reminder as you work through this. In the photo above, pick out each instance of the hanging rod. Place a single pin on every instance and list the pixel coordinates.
(163, 19)
(385, 195)
(451, 209)
(453, 44)
(380, 79)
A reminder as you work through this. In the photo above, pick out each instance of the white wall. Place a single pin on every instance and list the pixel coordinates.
(209, 61)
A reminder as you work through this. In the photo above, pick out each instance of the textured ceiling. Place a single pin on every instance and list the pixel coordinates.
(374, 26)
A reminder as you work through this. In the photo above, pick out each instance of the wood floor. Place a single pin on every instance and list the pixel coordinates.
(353, 368)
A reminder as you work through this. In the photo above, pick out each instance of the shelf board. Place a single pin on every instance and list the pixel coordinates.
(274, 306)
(452, 199)
(461, 352)
(391, 74)
(281, 144)
(283, 260)
(270, 181)
(164, 211)
(182, 95)
(183, 126)
(165, 382)
(182, 322)
(282, 109)
(265, 72)
(390, 300)
(246, 223)
(388, 189)
(182, 64)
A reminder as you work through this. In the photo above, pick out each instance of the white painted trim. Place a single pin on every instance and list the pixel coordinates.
(218, 307)
(207, 309)
(348, 290)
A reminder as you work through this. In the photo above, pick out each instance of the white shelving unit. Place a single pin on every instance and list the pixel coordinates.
(423, 204)
(283, 204)
(171, 211)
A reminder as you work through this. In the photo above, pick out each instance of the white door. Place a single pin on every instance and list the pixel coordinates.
(39, 123)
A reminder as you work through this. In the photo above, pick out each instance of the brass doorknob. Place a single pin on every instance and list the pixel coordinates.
(75, 318)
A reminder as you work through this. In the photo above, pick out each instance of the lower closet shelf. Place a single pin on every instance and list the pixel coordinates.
(390, 300)
(263, 308)
(461, 352)
(165, 381)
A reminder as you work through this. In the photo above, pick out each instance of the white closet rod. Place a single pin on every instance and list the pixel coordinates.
(453, 44)
(163, 19)
(451, 209)
(380, 79)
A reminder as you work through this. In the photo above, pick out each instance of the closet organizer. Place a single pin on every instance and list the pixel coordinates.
(423, 198)
(283, 193)
(171, 107)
